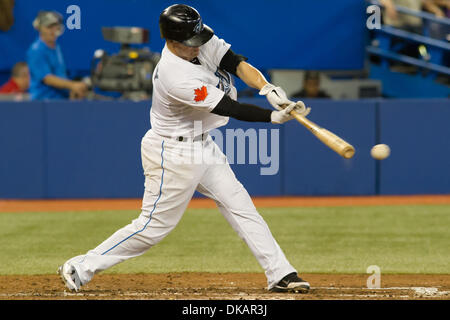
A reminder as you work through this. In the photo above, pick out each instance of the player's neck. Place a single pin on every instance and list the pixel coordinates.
(180, 53)
(172, 49)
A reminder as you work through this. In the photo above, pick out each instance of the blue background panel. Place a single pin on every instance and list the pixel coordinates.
(311, 168)
(94, 149)
(251, 27)
(22, 152)
(418, 132)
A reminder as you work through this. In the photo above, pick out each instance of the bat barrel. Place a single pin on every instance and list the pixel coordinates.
(348, 152)
(334, 142)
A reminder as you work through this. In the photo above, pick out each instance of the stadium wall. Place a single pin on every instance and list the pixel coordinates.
(91, 149)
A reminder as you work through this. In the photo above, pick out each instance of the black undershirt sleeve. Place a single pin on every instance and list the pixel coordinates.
(241, 111)
(230, 61)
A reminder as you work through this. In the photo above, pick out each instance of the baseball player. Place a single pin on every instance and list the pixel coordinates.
(192, 83)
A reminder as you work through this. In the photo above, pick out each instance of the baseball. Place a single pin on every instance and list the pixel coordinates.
(380, 151)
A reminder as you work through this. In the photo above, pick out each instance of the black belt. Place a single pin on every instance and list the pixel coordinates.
(200, 137)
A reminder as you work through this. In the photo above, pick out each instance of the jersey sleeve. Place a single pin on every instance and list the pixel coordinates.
(196, 94)
(38, 65)
(216, 49)
(230, 61)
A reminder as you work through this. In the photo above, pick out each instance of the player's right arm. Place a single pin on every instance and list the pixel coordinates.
(208, 98)
(252, 113)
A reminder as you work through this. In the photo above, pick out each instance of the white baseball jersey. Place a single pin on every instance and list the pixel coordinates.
(184, 92)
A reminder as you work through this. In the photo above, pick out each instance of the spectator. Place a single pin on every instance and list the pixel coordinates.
(441, 9)
(400, 20)
(407, 23)
(47, 67)
(6, 14)
(311, 87)
(19, 81)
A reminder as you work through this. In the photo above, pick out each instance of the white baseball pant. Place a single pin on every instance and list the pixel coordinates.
(173, 171)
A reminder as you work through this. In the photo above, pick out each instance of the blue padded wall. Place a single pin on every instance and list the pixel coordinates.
(22, 152)
(94, 149)
(311, 168)
(418, 132)
(91, 149)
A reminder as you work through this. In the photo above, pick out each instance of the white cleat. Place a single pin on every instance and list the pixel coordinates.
(70, 277)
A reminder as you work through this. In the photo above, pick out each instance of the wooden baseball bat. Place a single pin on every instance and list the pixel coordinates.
(334, 142)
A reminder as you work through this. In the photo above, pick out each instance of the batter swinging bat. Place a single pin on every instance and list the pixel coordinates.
(337, 144)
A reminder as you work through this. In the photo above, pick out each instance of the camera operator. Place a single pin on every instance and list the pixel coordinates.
(47, 67)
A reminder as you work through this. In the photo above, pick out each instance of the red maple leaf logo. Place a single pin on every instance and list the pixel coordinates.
(200, 94)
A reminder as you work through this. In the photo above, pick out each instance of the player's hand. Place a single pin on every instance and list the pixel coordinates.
(283, 115)
(301, 109)
(275, 95)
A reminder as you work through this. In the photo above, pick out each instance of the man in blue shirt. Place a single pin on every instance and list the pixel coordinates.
(46, 63)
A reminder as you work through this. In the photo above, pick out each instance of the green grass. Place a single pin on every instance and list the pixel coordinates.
(399, 239)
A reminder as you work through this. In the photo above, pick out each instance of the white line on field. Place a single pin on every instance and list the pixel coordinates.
(419, 291)
(426, 291)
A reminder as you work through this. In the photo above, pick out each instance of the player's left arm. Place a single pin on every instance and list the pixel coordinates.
(251, 76)
(237, 65)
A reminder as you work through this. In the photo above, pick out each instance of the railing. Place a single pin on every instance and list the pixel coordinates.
(433, 50)
(419, 14)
